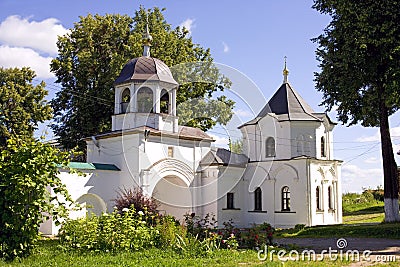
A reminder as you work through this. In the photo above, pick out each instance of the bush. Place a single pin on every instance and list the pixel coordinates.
(125, 231)
(27, 168)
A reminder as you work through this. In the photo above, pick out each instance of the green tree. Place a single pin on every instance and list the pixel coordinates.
(236, 146)
(359, 54)
(27, 168)
(22, 105)
(94, 52)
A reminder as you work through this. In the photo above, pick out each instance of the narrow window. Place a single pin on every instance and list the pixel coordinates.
(330, 204)
(258, 199)
(323, 147)
(170, 152)
(270, 147)
(229, 201)
(285, 199)
(318, 198)
(126, 98)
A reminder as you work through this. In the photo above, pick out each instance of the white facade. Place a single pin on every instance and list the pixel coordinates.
(286, 176)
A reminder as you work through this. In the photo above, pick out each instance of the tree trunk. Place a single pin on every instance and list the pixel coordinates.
(391, 188)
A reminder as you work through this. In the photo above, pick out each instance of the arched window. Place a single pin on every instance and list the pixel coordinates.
(270, 147)
(323, 147)
(145, 100)
(285, 199)
(164, 102)
(318, 197)
(330, 203)
(258, 199)
(125, 99)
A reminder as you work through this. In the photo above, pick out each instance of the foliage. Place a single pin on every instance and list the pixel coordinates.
(128, 198)
(353, 203)
(92, 54)
(200, 227)
(258, 236)
(169, 229)
(110, 232)
(27, 169)
(22, 105)
(236, 146)
(359, 59)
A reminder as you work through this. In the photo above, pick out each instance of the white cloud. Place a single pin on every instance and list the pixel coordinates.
(395, 131)
(188, 24)
(243, 113)
(220, 141)
(11, 57)
(42, 35)
(226, 47)
(372, 160)
(354, 178)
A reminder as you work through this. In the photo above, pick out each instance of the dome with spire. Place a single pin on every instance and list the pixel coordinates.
(145, 68)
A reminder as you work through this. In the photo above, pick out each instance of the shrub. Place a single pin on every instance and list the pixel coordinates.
(125, 231)
(200, 227)
(169, 228)
(127, 198)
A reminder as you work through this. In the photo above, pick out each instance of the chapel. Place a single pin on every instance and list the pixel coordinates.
(287, 174)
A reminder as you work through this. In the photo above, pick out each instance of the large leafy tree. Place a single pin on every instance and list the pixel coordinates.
(359, 54)
(92, 55)
(22, 104)
(27, 168)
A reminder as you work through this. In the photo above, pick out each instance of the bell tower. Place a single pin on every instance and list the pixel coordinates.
(145, 93)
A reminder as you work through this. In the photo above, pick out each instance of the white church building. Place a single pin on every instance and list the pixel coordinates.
(287, 174)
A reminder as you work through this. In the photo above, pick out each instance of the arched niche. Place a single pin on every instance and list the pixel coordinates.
(145, 100)
(164, 102)
(125, 100)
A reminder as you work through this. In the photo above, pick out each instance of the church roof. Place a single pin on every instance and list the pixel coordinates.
(288, 105)
(145, 68)
(222, 156)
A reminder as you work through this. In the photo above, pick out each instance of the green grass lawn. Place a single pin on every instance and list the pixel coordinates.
(49, 253)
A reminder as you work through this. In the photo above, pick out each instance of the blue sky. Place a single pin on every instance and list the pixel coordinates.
(251, 37)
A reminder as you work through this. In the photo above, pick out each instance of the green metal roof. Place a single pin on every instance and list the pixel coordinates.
(92, 166)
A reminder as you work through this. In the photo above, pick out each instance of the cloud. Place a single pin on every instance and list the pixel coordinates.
(188, 24)
(220, 141)
(11, 57)
(226, 47)
(395, 131)
(372, 160)
(41, 36)
(243, 113)
(354, 178)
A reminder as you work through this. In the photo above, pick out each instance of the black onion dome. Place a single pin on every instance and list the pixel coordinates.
(143, 69)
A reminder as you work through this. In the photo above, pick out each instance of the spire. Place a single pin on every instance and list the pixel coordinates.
(146, 39)
(285, 73)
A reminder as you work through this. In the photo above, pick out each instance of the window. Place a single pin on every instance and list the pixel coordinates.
(270, 147)
(145, 100)
(318, 198)
(330, 203)
(170, 152)
(164, 101)
(126, 98)
(258, 199)
(285, 199)
(323, 147)
(229, 201)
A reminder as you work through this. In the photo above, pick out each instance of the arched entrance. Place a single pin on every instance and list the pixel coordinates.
(94, 203)
(174, 196)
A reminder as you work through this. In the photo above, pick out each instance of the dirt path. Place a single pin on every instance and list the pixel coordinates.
(381, 250)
